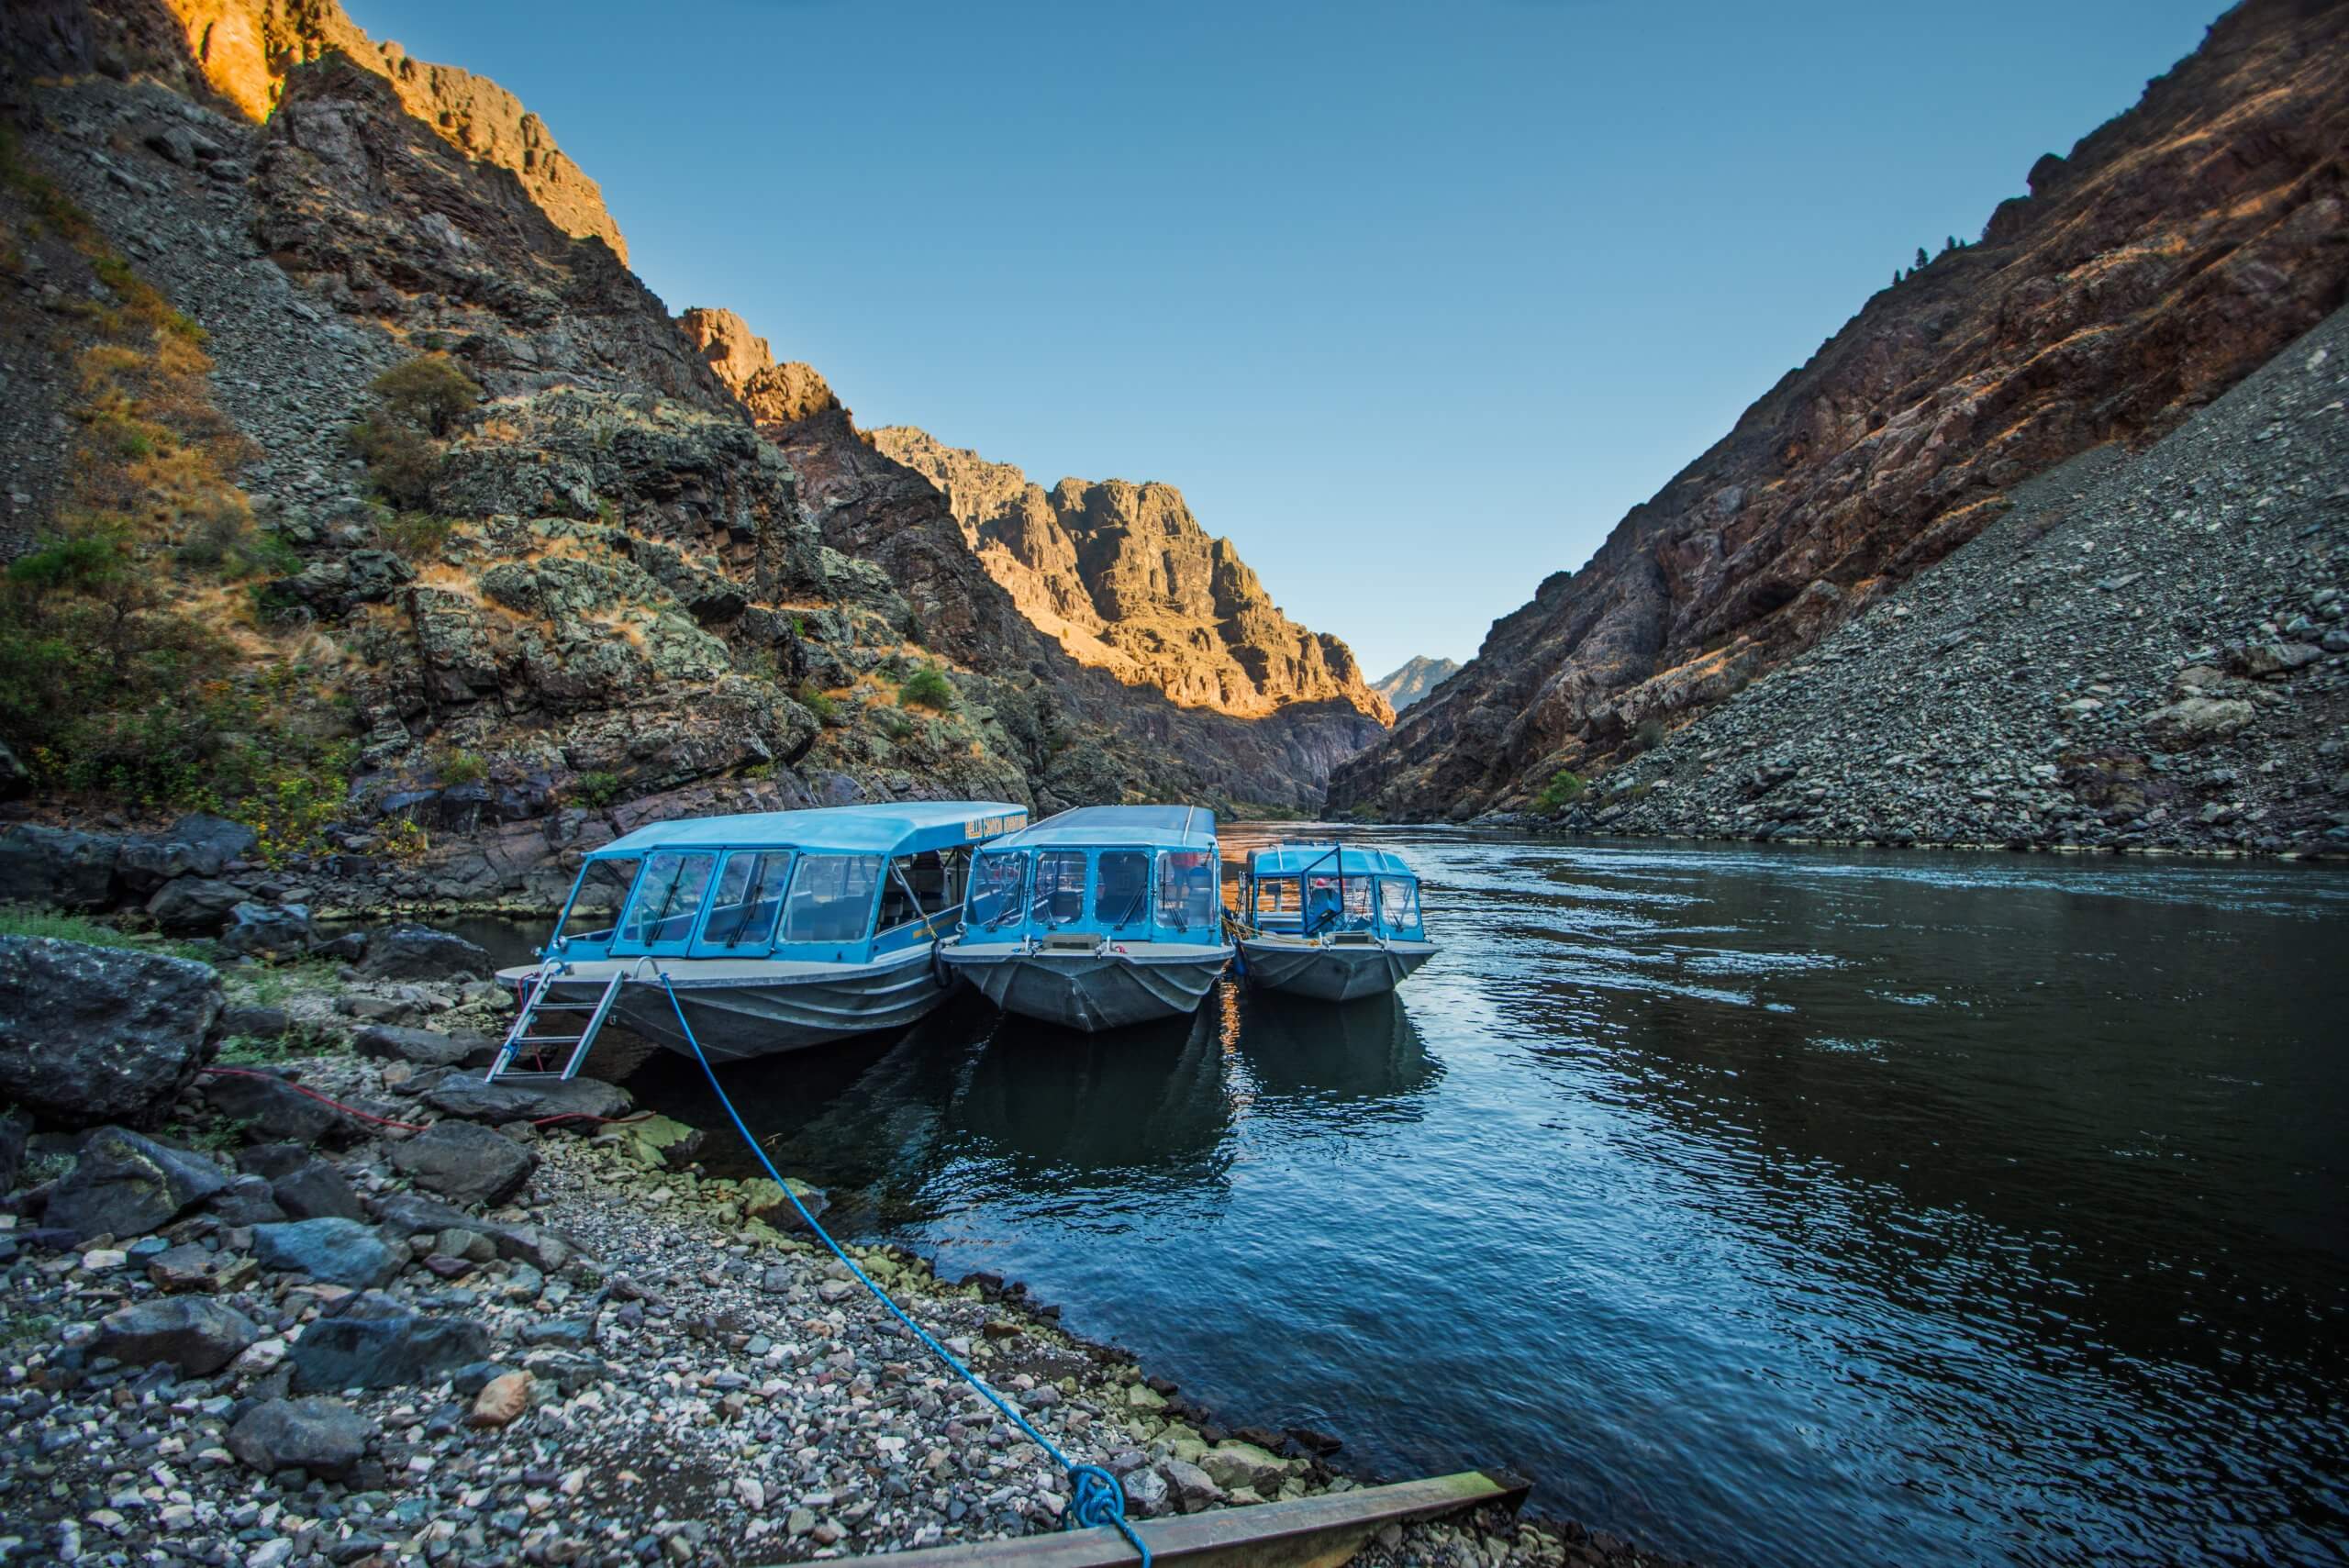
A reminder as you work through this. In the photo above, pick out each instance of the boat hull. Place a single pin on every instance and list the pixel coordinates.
(738, 1016)
(1331, 972)
(1093, 991)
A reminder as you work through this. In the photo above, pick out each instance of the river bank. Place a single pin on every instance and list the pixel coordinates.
(425, 1320)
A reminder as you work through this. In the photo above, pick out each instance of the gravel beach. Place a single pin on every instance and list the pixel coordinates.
(444, 1330)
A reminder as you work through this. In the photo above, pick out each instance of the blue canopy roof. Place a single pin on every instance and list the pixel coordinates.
(1161, 827)
(1355, 860)
(905, 828)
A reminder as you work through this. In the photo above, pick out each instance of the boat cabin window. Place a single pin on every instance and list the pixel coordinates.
(1398, 903)
(595, 908)
(919, 886)
(831, 898)
(1188, 898)
(996, 882)
(1328, 908)
(1276, 896)
(748, 898)
(1057, 896)
(668, 898)
(1121, 894)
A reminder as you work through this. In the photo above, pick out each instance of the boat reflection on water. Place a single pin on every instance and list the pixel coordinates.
(1304, 1054)
(971, 1103)
(1055, 1100)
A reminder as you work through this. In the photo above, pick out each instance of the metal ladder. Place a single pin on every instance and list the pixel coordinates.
(524, 1035)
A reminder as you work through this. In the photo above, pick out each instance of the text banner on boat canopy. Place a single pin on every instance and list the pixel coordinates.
(992, 826)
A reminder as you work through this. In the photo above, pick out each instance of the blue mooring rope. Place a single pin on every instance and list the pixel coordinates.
(1098, 1498)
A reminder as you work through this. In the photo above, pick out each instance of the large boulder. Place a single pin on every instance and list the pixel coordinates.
(90, 1034)
(375, 1343)
(194, 906)
(246, 1200)
(277, 930)
(474, 1097)
(389, 1042)
(325, 1436)
(124, 1185)
(57, 866)
(201, 846)
(316, 1190)
(275, 1108)
(2197, 720)
(339, 1251)
(196, 1334)
(418, 952)
(462, 1161)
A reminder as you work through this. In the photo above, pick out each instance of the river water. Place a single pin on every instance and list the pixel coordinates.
(1765, 1205)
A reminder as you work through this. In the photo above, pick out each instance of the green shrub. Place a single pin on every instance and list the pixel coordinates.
(1648, 736)
(1566, 787)
(416, 534)
(402, 460)
(927, 687)
(428, 393)
(457, 767)
(596, 787)
(401, 439)
(819, 703)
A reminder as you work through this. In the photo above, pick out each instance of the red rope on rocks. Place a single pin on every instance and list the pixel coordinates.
(322, 1099)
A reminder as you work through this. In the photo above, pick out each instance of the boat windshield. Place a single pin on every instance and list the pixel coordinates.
(995, 884)
(1187, 890)
(1121, 894)
(668, 897)
(1276, 897)
(831, 898)
(595, 908)
(749, 897)
(1398, 903)
(1328, 906)
(1057, 897)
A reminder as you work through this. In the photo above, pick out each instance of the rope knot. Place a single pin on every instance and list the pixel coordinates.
(1100, 1498)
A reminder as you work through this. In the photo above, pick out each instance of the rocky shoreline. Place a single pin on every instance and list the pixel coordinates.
(283, 1282)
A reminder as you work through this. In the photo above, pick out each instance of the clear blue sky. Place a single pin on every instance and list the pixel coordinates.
(1413, 302)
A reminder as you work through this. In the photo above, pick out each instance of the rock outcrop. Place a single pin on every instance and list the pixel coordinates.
(1122, 577)
(773, 394)
(245, 49)
(1414, 679)
(2174, 250)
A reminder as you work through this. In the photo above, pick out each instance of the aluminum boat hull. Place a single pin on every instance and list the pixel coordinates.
(1105, 989)
(742, 1009)
(1331, 971)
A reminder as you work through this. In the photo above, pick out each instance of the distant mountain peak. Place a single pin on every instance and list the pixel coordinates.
(1414, 679)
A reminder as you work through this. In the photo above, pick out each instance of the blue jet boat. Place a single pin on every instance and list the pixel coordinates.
(1331, 921)
(778, 929)
(1099, 917)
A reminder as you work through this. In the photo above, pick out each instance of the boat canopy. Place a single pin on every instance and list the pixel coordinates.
(835, 885)
(903, 829)
(1326, 855)
(1159, 827)
(1129, 872)
(1305, 888)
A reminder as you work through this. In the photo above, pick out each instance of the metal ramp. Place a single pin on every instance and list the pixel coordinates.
(533, 1039)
